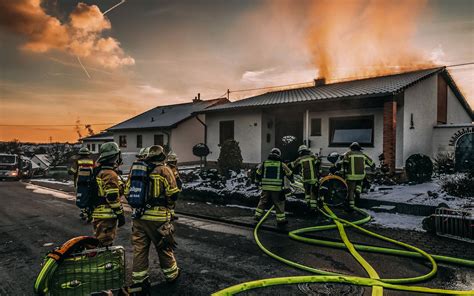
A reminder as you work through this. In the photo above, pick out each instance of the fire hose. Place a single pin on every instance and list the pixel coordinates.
(374, 281)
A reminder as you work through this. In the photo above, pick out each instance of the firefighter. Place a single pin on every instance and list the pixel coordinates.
(83, 160)
(270, 175)
(154, 227)
(309, 167)
(172, 163)
(354, 163)
(108, 211)
(141, 156)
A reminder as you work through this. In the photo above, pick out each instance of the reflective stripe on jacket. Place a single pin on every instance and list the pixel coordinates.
(354, 165)
(78, 164)
(272, 173)
(162, 187)
(109, 192)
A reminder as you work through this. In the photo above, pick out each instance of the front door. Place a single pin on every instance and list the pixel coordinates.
(464, 155)
(289, 135)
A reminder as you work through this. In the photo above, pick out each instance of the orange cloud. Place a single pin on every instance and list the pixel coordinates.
(79, 36)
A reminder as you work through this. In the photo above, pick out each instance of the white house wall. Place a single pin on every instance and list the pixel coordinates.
(322, 142)
(247, 131)
(420, 100)
(456, 112)
(147, 139)
(187, 134)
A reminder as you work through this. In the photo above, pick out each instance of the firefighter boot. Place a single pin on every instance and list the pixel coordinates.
(140, 289)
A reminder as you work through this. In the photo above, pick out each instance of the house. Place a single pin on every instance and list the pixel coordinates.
(41, 160)
(398, 115)
(176, 127)
(94, 142)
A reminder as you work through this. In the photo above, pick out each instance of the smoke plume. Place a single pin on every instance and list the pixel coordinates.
(79, 35)
(350, 39)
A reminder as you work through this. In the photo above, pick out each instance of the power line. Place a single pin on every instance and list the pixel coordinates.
(40, 125)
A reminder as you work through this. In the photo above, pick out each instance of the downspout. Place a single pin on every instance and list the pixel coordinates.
(205, 135)
(307, 128)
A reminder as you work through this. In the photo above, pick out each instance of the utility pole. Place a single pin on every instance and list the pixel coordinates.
(228, 94)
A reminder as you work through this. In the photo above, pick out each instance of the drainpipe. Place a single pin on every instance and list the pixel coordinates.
(205, 135)
(307, 127)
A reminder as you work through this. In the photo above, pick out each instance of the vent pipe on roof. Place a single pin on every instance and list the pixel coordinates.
(319, 81)
(198, 98)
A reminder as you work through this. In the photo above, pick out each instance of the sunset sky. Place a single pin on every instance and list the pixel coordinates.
(146, 53)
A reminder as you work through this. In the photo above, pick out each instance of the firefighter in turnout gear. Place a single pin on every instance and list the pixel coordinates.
(84, 160)
(141, 156)
(270, 175)
(154, 227)
(354, 164)
(108, 211)
(172, 163)
(309, 166)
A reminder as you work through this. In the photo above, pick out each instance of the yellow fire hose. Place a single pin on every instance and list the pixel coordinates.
(373, 281)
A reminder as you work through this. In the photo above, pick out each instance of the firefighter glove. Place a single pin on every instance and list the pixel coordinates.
(121, 220)
(166, 231)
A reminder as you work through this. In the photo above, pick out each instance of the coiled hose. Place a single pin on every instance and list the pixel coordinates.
(373, 281)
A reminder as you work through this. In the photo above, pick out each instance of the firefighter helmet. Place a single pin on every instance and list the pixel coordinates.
(108, 150)
(333, 157)
(142, 153)
(172, 157)
(355, 146)
(303, 148)
(276, 151)
(156, 151)
(84, 151)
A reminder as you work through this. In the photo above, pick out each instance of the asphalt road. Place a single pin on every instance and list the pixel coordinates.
(212, 255)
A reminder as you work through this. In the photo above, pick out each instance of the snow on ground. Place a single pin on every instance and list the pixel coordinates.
(429, 193)
(400, 221)
(53, 181)
(55, 193)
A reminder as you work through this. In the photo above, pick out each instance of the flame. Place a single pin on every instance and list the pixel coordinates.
(354, 39)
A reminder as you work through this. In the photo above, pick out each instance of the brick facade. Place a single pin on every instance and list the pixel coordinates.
(389, 133)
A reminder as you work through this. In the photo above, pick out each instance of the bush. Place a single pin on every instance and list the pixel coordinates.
(230, 158)
(444, 163)
(418, 168)
(460, 185)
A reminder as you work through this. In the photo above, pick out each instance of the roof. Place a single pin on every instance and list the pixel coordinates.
(362, 88)
(104, 136)
(166, 116)
(44, 158)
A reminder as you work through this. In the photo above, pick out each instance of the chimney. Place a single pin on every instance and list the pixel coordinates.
(319, 81)
(198, 98)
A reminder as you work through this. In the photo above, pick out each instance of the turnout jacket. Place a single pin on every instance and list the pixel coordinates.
(110, 189)
(354, 163)
(162, 186)
(271, 173)
(309, 166)
(77, 164)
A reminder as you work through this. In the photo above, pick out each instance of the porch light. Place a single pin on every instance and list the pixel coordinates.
(412, 123)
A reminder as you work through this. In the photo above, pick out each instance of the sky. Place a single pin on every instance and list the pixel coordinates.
(145, 53)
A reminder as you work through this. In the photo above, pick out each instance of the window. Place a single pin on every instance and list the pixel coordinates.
(139, 141)
(123, 141)
(88, 147)
(315, 127)
(98, 147)
(226, 131)
(345, 130)
(93, 147)
(158, 140)
(442, 100)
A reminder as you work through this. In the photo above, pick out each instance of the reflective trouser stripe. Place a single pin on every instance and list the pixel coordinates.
(258, 212)
(313, 203)
(139, 276)
(271, 188)
(358, 188)
(280, 217)
(171, 273)
(307, 197)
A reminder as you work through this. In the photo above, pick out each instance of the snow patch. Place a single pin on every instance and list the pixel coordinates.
(52, 181)
(55, 193)
(399, 221)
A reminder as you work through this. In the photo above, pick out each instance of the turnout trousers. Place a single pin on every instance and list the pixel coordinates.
(278, 200)
(311, 194)
(105, 230)
(354, 189)
(144, 234)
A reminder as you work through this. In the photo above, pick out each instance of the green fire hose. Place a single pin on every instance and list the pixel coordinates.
(373, 281)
